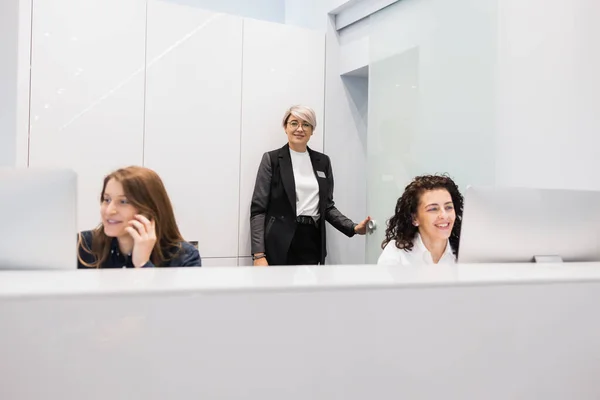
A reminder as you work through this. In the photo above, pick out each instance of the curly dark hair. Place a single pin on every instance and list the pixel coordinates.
(400, 227)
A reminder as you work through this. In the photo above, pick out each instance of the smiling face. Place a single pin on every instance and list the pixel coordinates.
(115, 210)
(298, 132)
(435, 214)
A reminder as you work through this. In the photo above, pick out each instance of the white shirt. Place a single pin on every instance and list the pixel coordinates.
(307, 187)
(419, 255)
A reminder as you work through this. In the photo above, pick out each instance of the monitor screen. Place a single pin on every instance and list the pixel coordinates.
(505, 225)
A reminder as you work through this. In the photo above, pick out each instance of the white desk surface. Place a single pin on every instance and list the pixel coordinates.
(224, 279)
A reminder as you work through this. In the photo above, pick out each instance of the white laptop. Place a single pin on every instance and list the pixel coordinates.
(39, 218)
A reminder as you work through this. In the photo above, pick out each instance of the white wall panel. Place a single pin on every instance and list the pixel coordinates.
(15, 37)
(23, 80)
(193, 100)
(267, 10)
(110, 89)
(245, 261)
(282, 66)
(87, 90)
(219, 262)
(547, 102)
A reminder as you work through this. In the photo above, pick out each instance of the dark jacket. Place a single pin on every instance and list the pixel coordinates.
(188, 256)
(273, 208)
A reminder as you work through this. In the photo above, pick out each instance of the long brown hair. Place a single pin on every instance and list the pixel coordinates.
(400, 227)
(146, 192)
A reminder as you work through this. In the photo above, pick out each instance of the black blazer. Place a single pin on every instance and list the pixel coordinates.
(273, 208)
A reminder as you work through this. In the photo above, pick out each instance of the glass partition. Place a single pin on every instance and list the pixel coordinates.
(431, 99)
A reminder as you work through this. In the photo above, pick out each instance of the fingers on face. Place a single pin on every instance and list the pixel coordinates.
(149, 226)
(143, 220)
(133, 232)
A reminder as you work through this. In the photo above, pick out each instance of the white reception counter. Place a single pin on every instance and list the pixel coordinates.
(344, 332)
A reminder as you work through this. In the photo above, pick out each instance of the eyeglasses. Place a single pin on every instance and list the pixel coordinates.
(305, 125)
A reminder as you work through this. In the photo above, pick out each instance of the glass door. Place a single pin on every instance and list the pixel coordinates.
(431, 100)
(393, 97)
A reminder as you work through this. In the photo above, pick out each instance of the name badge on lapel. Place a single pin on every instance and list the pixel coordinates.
(321, 174)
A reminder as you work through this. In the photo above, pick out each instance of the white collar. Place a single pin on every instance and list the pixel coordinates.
(426, 254)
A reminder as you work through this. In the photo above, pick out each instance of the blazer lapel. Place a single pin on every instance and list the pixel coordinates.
(287, 175)
(315, 159)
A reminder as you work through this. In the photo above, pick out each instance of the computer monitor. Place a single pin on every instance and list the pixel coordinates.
(39, 211)
(505, 225)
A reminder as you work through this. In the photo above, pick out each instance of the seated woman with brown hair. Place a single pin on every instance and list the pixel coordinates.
(138, 228)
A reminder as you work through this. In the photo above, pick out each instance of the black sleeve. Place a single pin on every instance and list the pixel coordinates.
(259, 205)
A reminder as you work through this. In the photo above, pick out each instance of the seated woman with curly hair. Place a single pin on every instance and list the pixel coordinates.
(425, 228)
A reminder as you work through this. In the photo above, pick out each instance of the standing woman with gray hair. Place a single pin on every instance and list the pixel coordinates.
(293, 197)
